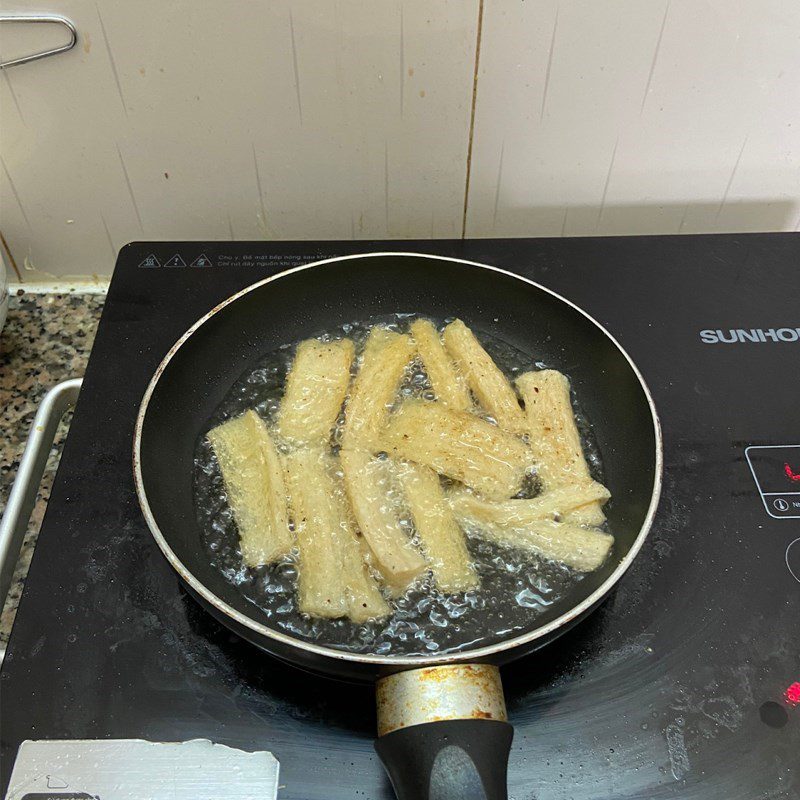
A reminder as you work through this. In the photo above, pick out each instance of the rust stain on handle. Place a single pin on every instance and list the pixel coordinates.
(435, 694)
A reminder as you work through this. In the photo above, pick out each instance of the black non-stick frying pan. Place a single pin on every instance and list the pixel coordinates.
(443, 731)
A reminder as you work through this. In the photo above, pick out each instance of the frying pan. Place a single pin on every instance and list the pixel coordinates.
(443, 731)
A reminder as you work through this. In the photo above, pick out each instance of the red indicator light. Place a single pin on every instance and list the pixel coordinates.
(790, 473)
(793, 694)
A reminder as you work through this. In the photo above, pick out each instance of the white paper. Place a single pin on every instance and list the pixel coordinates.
(133, 769)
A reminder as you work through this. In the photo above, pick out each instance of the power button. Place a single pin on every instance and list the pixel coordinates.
(776, 471)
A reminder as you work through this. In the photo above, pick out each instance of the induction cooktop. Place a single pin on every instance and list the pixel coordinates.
(685, 683)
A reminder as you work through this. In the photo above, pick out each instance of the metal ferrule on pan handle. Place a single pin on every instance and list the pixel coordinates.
(435, 694)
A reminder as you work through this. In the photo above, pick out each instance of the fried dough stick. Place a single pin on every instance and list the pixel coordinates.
(553, 505)
(386, 355)
(442, 539)
(580, 548)
(488, 383)
(448, 385)
(460, 445)
(333, 580)
(366, 482)
(253, 476)
(315, 390)
(554, 438)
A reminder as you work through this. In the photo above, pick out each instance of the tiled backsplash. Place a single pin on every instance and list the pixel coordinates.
(189, 120)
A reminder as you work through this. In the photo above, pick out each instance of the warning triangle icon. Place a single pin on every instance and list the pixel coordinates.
(201, 261)
(175, 261)
(150, 261)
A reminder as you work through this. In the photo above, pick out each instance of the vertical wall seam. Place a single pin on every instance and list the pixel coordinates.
(472, 117)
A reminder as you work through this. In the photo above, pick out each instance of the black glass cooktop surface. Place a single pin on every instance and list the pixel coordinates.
(685, 683)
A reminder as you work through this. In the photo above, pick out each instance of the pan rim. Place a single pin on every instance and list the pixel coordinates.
(477, 654)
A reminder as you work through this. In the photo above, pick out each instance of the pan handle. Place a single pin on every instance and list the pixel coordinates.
(443, 733)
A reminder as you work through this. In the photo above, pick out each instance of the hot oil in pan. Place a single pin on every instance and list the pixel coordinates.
(515, 588)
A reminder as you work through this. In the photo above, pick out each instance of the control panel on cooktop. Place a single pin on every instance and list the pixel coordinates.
(776, 470)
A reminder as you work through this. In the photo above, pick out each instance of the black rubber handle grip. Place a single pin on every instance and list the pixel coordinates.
(460, 759)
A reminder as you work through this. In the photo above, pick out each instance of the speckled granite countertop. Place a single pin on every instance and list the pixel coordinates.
(47, 339)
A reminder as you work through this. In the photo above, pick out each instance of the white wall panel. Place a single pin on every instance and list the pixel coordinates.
(351, 119)
(637, 117)
(181, 119)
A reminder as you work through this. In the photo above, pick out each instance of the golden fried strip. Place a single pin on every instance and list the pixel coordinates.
(367, 484)
(321, 587)
(333, 579)
(459, 445)
(488, 383)
(554, 437)
(315, 390)
(386, 355)
(590, 514)
(582, 549)
(519, 513)
(442, 539)
(253, 476)
(393, 587)
(448, 386)
(364, 598)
